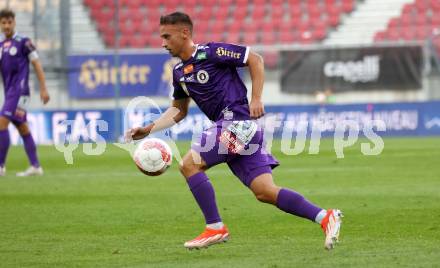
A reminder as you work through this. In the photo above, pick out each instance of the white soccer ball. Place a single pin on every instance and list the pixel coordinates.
(152, 156)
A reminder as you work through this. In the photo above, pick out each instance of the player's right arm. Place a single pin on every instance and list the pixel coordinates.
(173, 115)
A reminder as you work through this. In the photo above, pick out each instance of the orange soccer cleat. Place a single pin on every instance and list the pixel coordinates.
(331, 224)
(207, 238)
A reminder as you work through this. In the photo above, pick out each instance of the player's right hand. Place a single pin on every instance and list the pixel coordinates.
(136, 133)
(44, 95)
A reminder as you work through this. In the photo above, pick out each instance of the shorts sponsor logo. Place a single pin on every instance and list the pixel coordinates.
(229, 139)
(202, 76)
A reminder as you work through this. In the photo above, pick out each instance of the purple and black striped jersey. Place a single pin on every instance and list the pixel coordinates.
(211, 79)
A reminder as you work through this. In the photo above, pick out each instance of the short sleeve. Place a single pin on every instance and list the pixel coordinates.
(229, 54)
(178, 92)
(29, 49)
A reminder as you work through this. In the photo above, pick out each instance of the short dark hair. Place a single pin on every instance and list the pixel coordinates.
(7, 13)
(177, 18)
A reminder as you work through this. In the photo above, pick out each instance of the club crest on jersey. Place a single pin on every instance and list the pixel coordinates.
(13, 51)
(7, 44)
(202, 76)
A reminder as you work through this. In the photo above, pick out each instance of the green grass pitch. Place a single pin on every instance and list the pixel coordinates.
(102, 212)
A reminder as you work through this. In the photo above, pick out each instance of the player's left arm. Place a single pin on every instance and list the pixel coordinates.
(255, 63)
(44, 94)
(30, 51)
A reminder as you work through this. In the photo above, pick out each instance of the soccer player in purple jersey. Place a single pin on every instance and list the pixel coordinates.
(15, 54)
(207, 74)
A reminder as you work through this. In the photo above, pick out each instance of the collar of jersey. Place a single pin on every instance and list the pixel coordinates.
(3, 37)
(192, 55)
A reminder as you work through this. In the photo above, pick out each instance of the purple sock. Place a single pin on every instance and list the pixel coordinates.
(31, 149)
(204, 194)
(294, 203)
(4, 146)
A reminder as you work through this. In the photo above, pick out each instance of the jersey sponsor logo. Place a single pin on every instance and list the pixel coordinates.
(201, 56)
(188, 69)
(13, 51)
(223, 52)
(202, 76)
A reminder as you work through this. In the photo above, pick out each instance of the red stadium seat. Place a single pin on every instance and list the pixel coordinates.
(249, 27)
(407, 33)
(393, 23)
(406, 20)
(421, 6)
(435, 21)
(330, 2)
(347, 5)
(295, 12)
(258, 13)
(379, 36)
(319, 33)
(287, 37)
(239, 3)
(408, 9)
(250, 38)
(393, 34)
(258, 3)
(155, 41)
(251, 21)
(233, 38)
(223, 13)
(271, 59)
(131, 4)
(277, 11)
(267, 38)
(218, 27)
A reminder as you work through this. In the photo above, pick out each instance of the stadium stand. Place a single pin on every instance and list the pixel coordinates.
(418, 21)
(247, 21)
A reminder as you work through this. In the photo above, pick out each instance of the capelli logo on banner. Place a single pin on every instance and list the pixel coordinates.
(366, 70)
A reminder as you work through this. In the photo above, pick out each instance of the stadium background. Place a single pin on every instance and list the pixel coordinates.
(383, 62)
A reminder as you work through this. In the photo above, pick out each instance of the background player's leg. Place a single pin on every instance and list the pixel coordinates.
(285, 199)
(4, 140)
(200, 186)
(31, 151)
(29, 144)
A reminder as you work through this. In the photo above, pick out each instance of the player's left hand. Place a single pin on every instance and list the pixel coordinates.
(44, 95)
(256, 108)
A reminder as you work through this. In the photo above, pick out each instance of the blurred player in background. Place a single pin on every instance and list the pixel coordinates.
(207, 73)
(15, 54)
